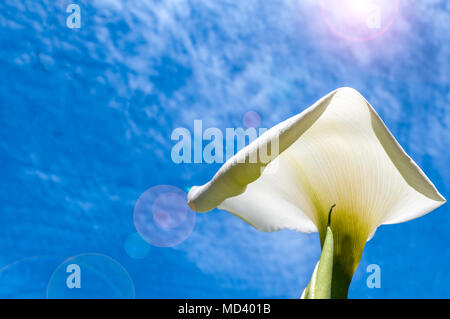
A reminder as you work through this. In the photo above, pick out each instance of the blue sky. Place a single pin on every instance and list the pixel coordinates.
(86, 117)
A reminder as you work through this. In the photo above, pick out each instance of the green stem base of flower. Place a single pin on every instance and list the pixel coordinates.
(333, 274)
(340, 282)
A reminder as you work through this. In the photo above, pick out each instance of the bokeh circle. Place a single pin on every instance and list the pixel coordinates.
(162, 216)
(99, 277)
(351, 19)
(252, 119)
(136, 247)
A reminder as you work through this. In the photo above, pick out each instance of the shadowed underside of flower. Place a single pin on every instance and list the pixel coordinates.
(338, 151)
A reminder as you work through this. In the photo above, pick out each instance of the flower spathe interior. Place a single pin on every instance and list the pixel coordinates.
(338, 151)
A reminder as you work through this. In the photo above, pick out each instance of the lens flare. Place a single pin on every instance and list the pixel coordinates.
(162, 216)
(251, 119)
(90, 276)
(359, 20)
(136, 247)
(360, 7)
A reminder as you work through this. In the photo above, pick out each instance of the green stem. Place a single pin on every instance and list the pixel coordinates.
(340, 281)
(347, 252)
(322, 289)
(341, 254)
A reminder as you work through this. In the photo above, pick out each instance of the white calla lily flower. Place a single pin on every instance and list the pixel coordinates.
(338, 151)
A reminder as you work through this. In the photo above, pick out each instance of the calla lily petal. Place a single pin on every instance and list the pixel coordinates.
(338, 151)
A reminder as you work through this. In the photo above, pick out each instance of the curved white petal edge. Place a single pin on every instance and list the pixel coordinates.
(338, 151)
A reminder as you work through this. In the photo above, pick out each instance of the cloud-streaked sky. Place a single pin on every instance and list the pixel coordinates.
(86, 117)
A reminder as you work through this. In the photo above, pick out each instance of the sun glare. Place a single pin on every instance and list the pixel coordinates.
(359, 19)
(360, 7)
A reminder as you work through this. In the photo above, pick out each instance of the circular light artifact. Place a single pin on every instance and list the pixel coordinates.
(359, 20)
(251, 119)
(90, 276)
(136, 247)
(162, 216)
